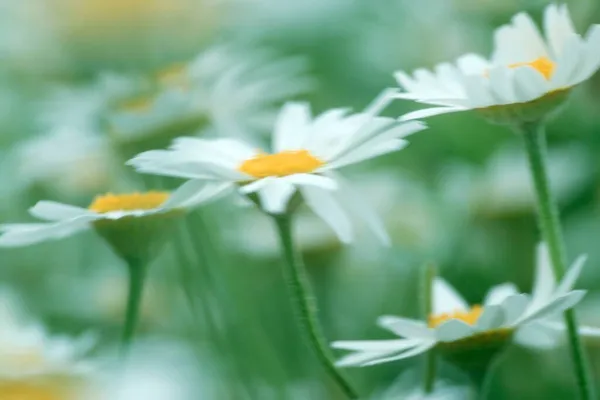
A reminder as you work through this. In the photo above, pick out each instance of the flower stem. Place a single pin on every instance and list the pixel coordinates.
(136, 288)
(304, 302)
(430, 370)
(548, 219)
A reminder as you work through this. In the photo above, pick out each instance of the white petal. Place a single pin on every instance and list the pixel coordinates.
(407, 354)
(53, 211)
(356, 206)
(366, 152)
(359, 358)
(320, 181)
(530, 38)
(429, 112)
(472, 64)
(537, 335)
(529, 84)
(196, 192)
(327, 206)
(452, 330)
(478, 91)
(446, 299)
(558, 27)
(570, 64)
(591, 55)
(376, 345)
(499, 293)
(408, 328)
(502, 86)
(275, 196)
(257, 185)
(568, 281)
(544, 283)
(40, 233)
(291, 127)
(493, 317)
(554, 307)
(515, 307)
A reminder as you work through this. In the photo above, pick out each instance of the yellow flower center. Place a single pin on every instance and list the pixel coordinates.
(128, 202)
(469, 317)
(280, 164)
(542, 65)
(174, 76)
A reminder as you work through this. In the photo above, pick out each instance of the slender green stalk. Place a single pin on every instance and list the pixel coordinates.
(137, 274)
(303, 299)
(548, 219)
(430, 370)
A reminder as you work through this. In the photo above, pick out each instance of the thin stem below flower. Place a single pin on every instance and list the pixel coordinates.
(134, 298)
(548, 219)
(305, 306)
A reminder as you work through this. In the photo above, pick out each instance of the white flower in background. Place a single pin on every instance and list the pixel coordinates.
(235, 90)
(62, 220)
(407, 387)
(157, 370)
(524, 67)
(503, 312)
(69, 160)
(503, 185)
(34, 364)
(305, 154)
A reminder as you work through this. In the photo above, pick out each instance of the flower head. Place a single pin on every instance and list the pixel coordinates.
(130, 222)
(455, 327)
(302, 161)
(34, 364)
(527, 77)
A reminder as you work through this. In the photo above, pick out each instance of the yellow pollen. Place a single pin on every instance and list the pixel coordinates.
(139, 105)
(128, 202)
(280, 164)
(174, 76)
(30, 391)
(542, 65)
(469, 317)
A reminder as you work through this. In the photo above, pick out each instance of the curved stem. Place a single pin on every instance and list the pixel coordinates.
(136, 288)
(548, 219)
(299, 287)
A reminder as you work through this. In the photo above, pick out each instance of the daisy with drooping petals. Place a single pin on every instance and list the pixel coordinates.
(139, 214)
(305, 154)
(526, 78)
(455, 326)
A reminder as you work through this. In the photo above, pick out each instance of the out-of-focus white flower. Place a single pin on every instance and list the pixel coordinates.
(503, 185)
(306, 153)
(525, 79)
(406, 389)
(158, 371)
(504, 311)
(69, 160)
(34, 364)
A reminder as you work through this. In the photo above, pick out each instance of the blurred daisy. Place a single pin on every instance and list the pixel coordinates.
(405, 388)
(131, 223)
(526, 77)
(305, 154)
(454, 325)
(35, 365)
(235, 91)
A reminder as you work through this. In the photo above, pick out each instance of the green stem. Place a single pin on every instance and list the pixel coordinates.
(548, 219)
(305, 305)
(430, 371)
(134, 299)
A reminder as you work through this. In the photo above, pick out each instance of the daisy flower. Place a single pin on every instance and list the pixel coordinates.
(34, 364)
(527, 76)
(305, 155)
(131, 223)
(456, 327)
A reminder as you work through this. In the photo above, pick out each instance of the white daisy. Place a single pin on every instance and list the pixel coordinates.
(405, 388)
(455, 324)
(305, 154)
(136, 211)
(524, 68)
(34, 364)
